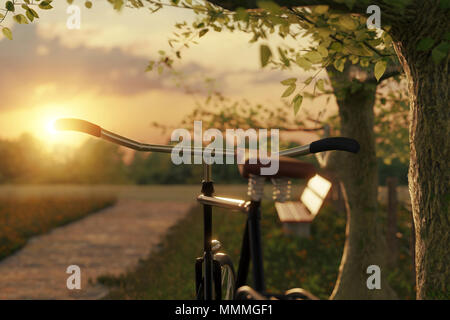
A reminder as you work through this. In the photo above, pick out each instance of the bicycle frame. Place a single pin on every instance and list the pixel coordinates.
(251, 244)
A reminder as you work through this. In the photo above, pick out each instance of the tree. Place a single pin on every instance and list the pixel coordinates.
(353, 83)
(423, 51)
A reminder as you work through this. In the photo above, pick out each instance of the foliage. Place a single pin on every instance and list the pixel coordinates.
(158, 169)
(333, 39)
(221, 112)
(289, 262)
(24, 217)
(25, 160)
(392, 122)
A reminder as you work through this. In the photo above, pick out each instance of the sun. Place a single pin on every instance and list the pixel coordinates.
(41, 124)
(50, 126)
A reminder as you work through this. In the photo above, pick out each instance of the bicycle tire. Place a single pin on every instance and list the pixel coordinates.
(227, 276)
(227, 279)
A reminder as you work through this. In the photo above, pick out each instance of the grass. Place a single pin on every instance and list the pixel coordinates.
(175, 193)
(25, 216)
(172, 193)
(311, 263)
(168, 273)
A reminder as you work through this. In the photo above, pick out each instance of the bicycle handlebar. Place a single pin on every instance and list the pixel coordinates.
(336, 143)
(78, 125)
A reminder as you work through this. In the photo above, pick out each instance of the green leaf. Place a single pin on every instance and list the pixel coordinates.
(320, 9)
(7, 32)
(118, 4)
(10, 6)
(270, 6)
(336, 46)
(303, 63)
(241, 14)
(447, 36)
(425, 44)
(350, 3)
(203, 32)
(283, 57)
(298, 99)
(444, 4)
(20, 19)
(339, 64)
(348, 22)
(320, 85)
(265, 53)
(308, 81)
(380, 68)
(30, 15)
(323, 51)
(150, 66)
(313, 56)
(288, 82)
(45, 5)
(289, 91)
(35, 14)
(440, 52)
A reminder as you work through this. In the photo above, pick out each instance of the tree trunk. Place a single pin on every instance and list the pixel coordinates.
(429, 173)
(412, 247)
(365, 244)
(392, 212)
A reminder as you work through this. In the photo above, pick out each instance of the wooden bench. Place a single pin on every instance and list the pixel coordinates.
(297, 216)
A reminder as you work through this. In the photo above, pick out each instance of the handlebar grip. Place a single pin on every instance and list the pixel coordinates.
(337, 143)
(78, 125)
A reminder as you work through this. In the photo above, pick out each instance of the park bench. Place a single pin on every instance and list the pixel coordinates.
(296, 216)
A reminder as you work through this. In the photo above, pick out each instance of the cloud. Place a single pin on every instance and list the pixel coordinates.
(33, 66)
(37, 68)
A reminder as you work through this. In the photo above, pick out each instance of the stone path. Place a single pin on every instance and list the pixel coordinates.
(108, 242)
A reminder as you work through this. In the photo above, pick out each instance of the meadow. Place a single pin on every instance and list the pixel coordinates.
(289, 261)
(28, 212)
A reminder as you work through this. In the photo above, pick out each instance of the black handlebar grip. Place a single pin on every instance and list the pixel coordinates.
(337, 143)
(78, 125)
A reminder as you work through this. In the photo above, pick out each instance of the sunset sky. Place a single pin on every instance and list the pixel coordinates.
(97, 73)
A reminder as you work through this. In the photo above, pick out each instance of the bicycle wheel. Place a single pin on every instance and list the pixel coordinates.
(227, 277)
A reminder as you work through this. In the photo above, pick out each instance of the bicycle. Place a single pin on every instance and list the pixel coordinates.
(215, 276)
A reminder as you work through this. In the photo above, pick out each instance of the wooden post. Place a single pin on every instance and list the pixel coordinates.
(392, 211)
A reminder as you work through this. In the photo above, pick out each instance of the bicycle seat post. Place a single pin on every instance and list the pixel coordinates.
(256, 191)
(281, 189)
(207, 190)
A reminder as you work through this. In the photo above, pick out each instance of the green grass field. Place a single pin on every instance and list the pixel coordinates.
(24, 214)
(311, 263)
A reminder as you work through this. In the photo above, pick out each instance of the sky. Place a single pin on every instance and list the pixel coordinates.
(97, 72)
